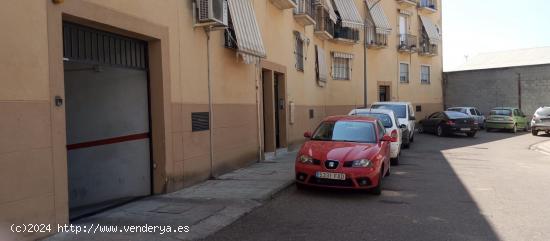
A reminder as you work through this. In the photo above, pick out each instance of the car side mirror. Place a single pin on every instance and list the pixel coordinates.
(307, 134)
(386, 138)
(403, 126)
(412, 118)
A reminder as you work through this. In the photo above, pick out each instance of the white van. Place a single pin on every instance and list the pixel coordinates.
(405, 113)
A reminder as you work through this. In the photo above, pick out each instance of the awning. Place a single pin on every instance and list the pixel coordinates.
(431, 29)
(380, 19)
(342, 55)
(327, 5)
(349, 14)
(249, 40)
(322, 68)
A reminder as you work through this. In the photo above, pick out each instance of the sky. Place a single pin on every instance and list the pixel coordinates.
(480, 26)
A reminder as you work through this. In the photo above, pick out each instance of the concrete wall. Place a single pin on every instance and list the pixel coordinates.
(491, 88)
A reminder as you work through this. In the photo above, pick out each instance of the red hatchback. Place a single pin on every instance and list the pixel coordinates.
(345, 152)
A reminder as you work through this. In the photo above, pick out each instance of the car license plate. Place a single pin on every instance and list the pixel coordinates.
(465, 129)
(330, 175)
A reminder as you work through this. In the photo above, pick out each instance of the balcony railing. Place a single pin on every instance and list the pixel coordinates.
(407, 43)
(304, 12)
(324, 27)
(375, 40)
(430, 5)
(426, 48)
(346, 34)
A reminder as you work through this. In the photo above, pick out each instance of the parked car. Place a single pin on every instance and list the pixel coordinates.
(405, 113)
(472, 112)
(349, 152)
(507, 118)
(390, 122)
(448, 122)
(541, 121)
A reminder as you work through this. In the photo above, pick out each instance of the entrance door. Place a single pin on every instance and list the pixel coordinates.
(107, 115)
(274, 114)
(384, 93)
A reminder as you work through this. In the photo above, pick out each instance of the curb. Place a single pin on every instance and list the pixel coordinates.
(538, 147)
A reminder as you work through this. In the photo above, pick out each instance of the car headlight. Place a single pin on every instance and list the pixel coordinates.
(362, 163)
(305, 159)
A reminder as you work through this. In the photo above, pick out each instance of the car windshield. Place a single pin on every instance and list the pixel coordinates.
(346, 131)
(455, 115)
(457, 110)
(501, 112)
(400, 110)
(384, 118)
(544, 111)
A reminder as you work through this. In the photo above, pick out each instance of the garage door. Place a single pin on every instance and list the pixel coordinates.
(107, 115)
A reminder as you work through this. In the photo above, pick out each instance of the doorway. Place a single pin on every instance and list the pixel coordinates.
(108, 120)
(384, 93)
(274, 110)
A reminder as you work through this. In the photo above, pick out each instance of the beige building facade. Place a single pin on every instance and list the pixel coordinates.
(280, 68)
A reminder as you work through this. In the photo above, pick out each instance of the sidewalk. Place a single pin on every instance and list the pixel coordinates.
(205, 208)
(543, 147)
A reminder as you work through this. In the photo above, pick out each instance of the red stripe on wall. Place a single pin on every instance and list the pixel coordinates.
(108, 141)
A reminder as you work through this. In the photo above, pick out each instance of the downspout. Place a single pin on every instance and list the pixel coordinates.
(365, 57)
(258, 74)
(519, 91)
(210, 107)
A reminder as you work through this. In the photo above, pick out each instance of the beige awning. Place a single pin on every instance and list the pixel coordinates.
(342, 55)
(349, 14)
(327, 5)
(431, 29)
(381, 22)
(249, 40)
(322, 68)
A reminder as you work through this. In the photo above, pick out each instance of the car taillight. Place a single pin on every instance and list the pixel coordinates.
(394, 136)
(451, 123)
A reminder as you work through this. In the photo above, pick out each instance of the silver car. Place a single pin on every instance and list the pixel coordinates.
(472, 112)
(541, 121)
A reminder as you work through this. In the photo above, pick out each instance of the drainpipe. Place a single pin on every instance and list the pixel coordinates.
(210, 108)
(365, 56)
(519, 90)
(258, 73)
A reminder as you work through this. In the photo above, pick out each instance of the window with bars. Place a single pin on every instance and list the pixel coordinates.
(425, 74)
(404, 73)
(341, 68)
(299, 53)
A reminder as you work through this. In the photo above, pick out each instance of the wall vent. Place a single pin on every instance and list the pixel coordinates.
(200, 121)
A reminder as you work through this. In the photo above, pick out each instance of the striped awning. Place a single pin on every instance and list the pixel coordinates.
(322, 68)
(381, 22)
(431, 29)
(349, 14)
(342, 55)
(249, 40)
(331, 13)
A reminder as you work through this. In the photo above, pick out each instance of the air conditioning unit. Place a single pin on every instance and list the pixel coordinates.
(211, 12)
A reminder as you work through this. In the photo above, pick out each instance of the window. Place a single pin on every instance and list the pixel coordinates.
(425, 74)
(341, 68)
(472, 112)
(346, 131)
(418, 108)
(299, 52)
(404, 73)
(381, 129)
(400, 110)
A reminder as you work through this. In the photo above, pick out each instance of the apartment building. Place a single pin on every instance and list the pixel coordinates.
(105, 101)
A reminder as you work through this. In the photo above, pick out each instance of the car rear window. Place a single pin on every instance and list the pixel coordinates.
(384, 118)
(346, 131)
(544, 111)
(457, 110)
(400, 110)
(501, 112)
(454, 114)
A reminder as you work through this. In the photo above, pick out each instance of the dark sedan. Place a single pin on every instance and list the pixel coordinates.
(449, 122)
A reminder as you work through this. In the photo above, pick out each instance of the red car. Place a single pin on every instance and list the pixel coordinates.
(345, 152)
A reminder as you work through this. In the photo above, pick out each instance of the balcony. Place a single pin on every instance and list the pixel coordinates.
(426, 48)
(303, 12)
(407, 43)
(345, 35)
(427, 6)
(324, 27)
(284, 4)
(375, 40)
(407, 3)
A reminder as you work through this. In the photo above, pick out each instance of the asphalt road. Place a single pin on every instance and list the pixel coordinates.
(491, 187)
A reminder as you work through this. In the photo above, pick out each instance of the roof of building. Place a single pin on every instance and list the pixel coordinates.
(509, 58)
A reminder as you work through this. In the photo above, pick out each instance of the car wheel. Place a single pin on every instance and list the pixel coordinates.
(388, 173)
(515, 129)
(412, 138)
(378, 189)
(547, 132)
(534, 132)
(300, 186)
(439, 131)
(471, 134)
(421, 130)
(488, 129)
(395, 161)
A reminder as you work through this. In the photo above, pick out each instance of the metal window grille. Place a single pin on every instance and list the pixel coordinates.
(425, 74)
(299, 53)
(404, 73)
(341, 68)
